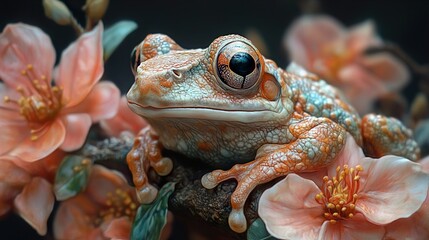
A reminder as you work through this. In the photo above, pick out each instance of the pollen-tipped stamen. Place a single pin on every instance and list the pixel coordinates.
(39, 103)
(339, 194)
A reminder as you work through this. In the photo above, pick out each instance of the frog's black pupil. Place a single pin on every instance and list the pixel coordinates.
(242, 64)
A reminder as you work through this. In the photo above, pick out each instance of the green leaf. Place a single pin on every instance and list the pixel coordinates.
(114, 35)
(258, 231)
(72, 176)
(151, 218)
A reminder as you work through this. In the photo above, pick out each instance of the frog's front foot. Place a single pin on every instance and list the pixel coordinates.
(317, 143)
(145, 154)
(385, 135)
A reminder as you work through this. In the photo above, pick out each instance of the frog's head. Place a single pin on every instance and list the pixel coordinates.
(228, 81)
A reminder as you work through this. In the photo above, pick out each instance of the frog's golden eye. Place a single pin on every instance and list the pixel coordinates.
(135, 59)
(238, 65)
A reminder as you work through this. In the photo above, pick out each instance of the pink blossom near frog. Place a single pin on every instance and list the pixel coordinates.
(231, 108)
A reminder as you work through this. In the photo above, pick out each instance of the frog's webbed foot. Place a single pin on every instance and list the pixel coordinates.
(145, 154)
(317, 143)
(385, 135)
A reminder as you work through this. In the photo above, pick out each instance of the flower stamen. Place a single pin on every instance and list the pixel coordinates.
(38, 103)
(339, 194)
(118, 204)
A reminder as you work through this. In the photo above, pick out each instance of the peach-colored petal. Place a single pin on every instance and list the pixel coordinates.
(20, 45)
(119, 229)
(50, 137)
(388, 69)
(81, 66)
(13, 129)
(71, 219)
(5, 206)
(425, 163)
(7, 194)
(45, 167)
(308, 34)
(35, 204)
(101, 103)
(414, 228)
(360, 86)
(392, 188)
(124, 120)
(12, 180)
(13, 175)
(102, 181)
(289, 209)
(356, 228)
(362, 36)
(350, 155)
(77, 127)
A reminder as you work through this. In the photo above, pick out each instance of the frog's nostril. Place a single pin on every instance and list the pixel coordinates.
(176, 73)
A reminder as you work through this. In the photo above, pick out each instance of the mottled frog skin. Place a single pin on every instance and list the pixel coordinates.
(235, 110)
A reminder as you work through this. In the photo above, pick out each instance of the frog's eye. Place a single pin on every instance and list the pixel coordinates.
(238, 65)
(135, 59)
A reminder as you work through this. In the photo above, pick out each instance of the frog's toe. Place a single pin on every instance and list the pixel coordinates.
(163, 167)
(237, 220)
(211, 180)
(146, 194)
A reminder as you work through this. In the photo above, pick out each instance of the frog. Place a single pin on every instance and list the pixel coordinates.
(236, 111)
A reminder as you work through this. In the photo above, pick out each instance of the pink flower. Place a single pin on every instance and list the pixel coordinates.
(124, 120)
(323, 46)
(105, 209)
(38, 116)
(27, 188)
(415, 227)
(350, 203)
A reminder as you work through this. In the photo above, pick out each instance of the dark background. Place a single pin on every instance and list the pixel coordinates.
(194, 24)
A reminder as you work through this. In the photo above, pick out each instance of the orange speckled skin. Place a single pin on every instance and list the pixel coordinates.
(278, 122)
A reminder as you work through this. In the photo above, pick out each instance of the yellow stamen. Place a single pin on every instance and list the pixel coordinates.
(118, 204)
(339, 194)
(39, 103)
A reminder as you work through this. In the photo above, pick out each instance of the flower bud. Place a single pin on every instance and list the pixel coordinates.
(57, 11)
(95, 9)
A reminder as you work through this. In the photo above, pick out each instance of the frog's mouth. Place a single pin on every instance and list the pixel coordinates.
(215, 114)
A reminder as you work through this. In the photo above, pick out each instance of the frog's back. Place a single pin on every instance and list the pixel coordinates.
(319, 99)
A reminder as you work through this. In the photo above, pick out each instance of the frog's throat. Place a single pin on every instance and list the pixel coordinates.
(245, 116)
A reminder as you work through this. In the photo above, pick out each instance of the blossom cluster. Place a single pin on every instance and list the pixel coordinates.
(356, 197)
(43, 119)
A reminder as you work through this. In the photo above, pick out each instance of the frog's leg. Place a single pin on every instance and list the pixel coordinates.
(317, 142)
(146, 153)
(385, 135)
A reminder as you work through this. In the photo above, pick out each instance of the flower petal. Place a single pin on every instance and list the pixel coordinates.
(102, 181)
(12, 124)
(355, 228)
(101, 103)
(360, 86)
(77, 127)
(388, 69)
(81, 66)
(362, 36)
(350, 155)
(13, 175)
(49, 138)
(119, 228)
(71, 219)
(21, 45)
(289, 209)
(35, 204)
(392, 188)
(425, 164)
(124, 120)
(308, 34)
(45, 167)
